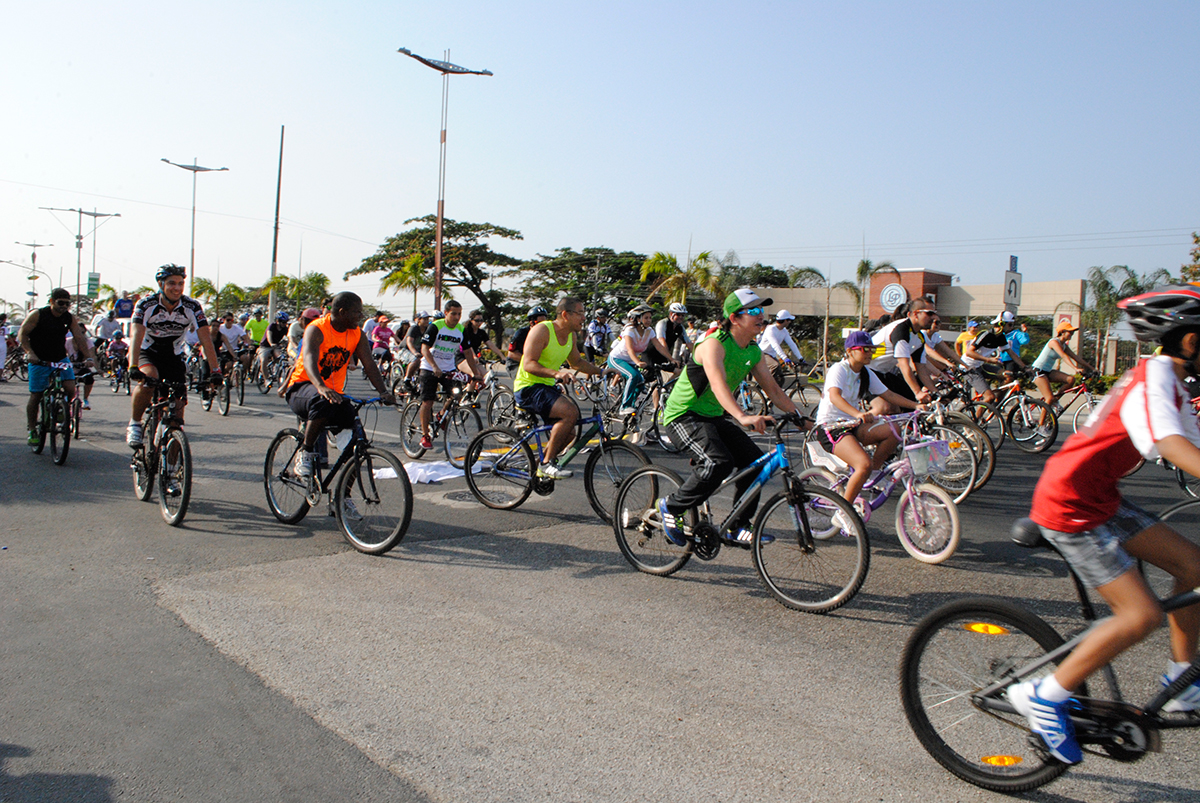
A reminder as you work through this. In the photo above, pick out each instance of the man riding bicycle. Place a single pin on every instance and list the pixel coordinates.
(156, 347)
(441, 349)
(1080, 511)
(43, 336)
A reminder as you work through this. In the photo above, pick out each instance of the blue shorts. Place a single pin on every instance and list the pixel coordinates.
(39, 376)
(538, 399)
(1097, 555)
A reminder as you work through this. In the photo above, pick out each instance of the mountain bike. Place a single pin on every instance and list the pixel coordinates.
(271, 372)
(368, 489)
(808, 545)
(456, 425)
(164, 454)
(962, 658)
(81, 375)
(501, 467)
(646, 419)
(119, 380)
(54, 416)
(1030, 423)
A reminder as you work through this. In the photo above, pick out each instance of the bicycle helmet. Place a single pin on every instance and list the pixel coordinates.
(1153, 315)
(678, 308)
(282, 317)
(601, 313)
(245, 316)
(536, 312)
(169, 270)
(438, 315)
(638, 311)
(259, 310)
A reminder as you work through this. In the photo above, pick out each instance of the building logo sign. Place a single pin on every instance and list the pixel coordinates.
(891, 297)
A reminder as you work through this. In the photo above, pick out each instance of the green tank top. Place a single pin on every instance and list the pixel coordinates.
(553, 357)
(692, 393)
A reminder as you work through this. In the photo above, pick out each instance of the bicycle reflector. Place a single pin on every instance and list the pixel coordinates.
(1001, 761)
(986, 628)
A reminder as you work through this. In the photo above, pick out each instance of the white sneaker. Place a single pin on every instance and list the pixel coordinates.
(1051, 721)
(549, 471)
(1188, 699)
(133, 434)
(842, 522)
(304, 463)
(1045, 431)
(86, 406)
(624, 411)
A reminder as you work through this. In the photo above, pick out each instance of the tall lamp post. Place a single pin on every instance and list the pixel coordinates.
(195, 168)
(32, 279)
(79, 239)
(446, 69)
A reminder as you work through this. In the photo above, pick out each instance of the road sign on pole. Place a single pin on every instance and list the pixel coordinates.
(1012, 288)
(93, 288)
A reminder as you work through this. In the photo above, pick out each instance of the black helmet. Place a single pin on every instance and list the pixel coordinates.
(1162, 310)
(601, 313)
(169, 270)
(537, 311)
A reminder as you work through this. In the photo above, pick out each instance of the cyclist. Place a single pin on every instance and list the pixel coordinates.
(1044, 373)
(971, 332)
(1079, 509)
(296, 332)
(776, 342)
(118, 349)
(274, 340)
(381, 341)
(441, 347)
(235, 342)
(88, 378)
(704, 417)
(941, 352)
(316, 384)
(3, 344)
(43, 336)
(598, 335)
(987, 349)
(550, 345)
(636, 339)
(1017, 335)
(104, 326)
(156, 347)
(516, 346)
(412, 342)
(900, 358)
(671, 331)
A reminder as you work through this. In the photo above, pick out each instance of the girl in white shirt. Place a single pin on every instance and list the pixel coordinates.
(626, 354)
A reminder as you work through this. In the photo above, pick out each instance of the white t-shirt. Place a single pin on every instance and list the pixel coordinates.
(773, 339)
(640, 343)
(842, 377)
(231, 336)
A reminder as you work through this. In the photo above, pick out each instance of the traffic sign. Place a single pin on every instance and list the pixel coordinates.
(93, 288)
(1012, 288)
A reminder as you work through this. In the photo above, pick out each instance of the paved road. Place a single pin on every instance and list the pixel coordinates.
(492, 656)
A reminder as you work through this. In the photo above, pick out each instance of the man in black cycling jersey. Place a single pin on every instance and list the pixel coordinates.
(156, 347)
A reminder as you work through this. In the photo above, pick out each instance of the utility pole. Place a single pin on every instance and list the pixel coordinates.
(79, 239)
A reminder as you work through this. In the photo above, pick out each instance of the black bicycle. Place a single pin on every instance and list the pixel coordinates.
(164, 454)
(368, 489)
(54, 416)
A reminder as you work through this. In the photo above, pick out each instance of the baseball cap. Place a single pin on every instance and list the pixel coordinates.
(784, 315)
(741, 299)
(423, 314)
(972, 324)
(312, 313)
(1005, 317)
(859, 340)
(1065, 326)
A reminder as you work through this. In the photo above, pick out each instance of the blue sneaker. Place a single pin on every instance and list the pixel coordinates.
(1048, 720)
(670, 526)
(1188, 699)
(746, 536)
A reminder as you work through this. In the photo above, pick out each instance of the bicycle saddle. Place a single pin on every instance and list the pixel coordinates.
(1026, 533)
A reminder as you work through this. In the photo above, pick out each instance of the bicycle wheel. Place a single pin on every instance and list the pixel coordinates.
(501, 409)
(812, 564)
(410, 429)
(373, 501)
(607, 467)
(60, 430)
(956, 651)
(223, 394)
(1082, 413)
(805, 397)
(961, 470)
(239, 382)
(500, 469)
(76, 415)
(125, 382)
(927, 523)
(637, 525)
(988, 418)
(287, 494)
(174, 476)
(114, 382)
(1023, 427)
(462, 428)
(143, 474)
(752, 400)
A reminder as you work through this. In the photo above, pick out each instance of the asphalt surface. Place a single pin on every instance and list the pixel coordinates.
(493, 656)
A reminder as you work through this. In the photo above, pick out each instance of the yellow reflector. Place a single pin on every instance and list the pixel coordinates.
(1001, 761)
(986, 628)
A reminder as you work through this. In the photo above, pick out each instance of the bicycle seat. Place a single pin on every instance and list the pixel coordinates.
(1026, 533)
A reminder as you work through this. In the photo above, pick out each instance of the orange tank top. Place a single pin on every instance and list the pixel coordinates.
(336, 350)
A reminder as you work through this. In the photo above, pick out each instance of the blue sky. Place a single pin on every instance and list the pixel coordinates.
(940, 135)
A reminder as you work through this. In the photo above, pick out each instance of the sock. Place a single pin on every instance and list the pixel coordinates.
(1050, 690)
(1175, 669)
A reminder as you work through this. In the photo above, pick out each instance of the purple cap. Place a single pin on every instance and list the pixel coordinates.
(859, 340)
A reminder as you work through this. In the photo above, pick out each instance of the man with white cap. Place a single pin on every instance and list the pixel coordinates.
(776, 340)
(1016, 337)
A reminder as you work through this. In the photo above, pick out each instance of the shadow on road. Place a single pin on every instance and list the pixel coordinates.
(39, 787)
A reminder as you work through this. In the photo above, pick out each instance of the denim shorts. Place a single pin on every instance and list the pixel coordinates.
(538, 399)
(1097, 555)
(39, 376)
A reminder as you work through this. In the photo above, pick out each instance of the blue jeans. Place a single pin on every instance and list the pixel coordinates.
(634, 381)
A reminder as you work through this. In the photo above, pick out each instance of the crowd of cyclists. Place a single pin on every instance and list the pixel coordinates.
(899, 364)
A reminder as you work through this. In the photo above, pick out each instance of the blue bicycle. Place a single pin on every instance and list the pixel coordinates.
(808, 544)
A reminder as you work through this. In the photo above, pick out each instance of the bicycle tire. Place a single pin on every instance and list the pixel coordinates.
(410, 430)
(463, 427)
(962, 466)
(223, 394)
(985, 451)
(262, 379)
(174, 476)
(76, 415)
(373, 501)
(60, 430)
(114, 382)
(1082, 413)
(988, 418)
(143, 474)
(752, 400)
(500, 470)
(958, 649)
(637, 526)
(1023, 428)
(41, 427)
(1187, 483)
(805, 397)
(936, 537)
(239, 382)
(817, 578)
(287, 493)
(606, 469)
(501, 409)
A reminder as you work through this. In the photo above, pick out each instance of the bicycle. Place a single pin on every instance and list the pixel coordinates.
(927, 521)
(120, 378)
(1031, 423)
(961, 659)
(54, 416)
(458, 422)
(374, 524)
(17, 364)
(164, 453)
(77, 402)
(501, 470)
(809, 546)
(268, 374)
(235, 382)
(644, 409)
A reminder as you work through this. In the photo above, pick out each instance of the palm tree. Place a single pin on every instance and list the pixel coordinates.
(1105, 292)
(108, 297)
(203, 291)
(673, 282)
(863, 273)
(810, 277)
(301, 291)
(412, 275)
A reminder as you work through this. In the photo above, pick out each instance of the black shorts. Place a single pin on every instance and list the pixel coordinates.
(170, 366)
(309, 405)
(430, 383)
(895, 383)
(538, 399)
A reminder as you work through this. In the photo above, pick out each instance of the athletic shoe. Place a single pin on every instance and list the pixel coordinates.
(86, 406)
(842, 522)
(1188, 699)
(624, 411)
(304, 463)
(133, 434)
(670, 526)
(1048, 720)
(350, 511)
(426, 442)
(549, 471)
(1045, 431)
(33, 437)
(746, 536)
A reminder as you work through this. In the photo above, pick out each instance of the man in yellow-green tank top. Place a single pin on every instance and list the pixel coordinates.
(549, 345)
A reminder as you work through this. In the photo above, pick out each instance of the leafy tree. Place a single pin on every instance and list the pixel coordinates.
(599, 275)
(300, 291)
(467, 261)
(412, 275)
(863, 273)
(673, 282)
(755, 275)
(811, 277)
(1106, 287)
(1191, 273)
(107, 297)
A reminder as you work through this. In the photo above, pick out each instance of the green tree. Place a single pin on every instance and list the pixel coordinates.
(1106, 287)
(811, 277)
(412, 275)
(467, 259)
(1191, 273)
(298, 292)
(107, 297)
(599, 275)
(673, 282)
(863, 273)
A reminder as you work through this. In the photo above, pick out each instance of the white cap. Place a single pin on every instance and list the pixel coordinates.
(1004, 317)
(784, 315)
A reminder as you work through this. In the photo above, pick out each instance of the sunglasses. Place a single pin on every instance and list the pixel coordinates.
(753, 311)
(62, 302)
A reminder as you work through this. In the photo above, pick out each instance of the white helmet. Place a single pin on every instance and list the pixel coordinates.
(677, 308)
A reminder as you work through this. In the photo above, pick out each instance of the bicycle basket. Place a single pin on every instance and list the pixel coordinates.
(928, 457)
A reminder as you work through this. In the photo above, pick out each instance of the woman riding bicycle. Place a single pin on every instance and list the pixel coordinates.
(1080, 511)
(626, 356)
(1056, 349)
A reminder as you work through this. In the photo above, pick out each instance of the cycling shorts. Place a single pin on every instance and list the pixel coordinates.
(1097, 555)
(39, 376)
(170, 366)
(430, 383)
(538, 399)
(309, 405)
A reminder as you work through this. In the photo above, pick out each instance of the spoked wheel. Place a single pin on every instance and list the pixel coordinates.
(752, 400)
(174, 476)
(961, 468)
(805, 397)
(223, 394)
(410, 429)
(500, 471)
(988, 418)
(638, 526)
(239, 382)
(287, 493)
(501, 408)
(143, 475)
(607, 467)
(981, 445)
(927, 523)
(1023, 427)
(808, 559)
(956, 651)
(462, 428)
(60, 431)
(114, 382)
(373, 501)
(1081, 414)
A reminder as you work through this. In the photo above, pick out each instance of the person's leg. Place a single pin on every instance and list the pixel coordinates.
(633, 380)
(1179, 557)
(565, 416)
(1042, 382)
(850, 451)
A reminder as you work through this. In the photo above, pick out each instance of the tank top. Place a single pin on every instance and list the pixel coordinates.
(49, 337)
(553, 356)
(334, 356)
(692, 392)
(1047, 359)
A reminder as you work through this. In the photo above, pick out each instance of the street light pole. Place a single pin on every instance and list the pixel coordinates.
(195, 168)
(79, 239)
(33, 257)
(446, 69)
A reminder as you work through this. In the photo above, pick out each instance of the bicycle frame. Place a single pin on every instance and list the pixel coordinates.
(535, 434)
(358, 440)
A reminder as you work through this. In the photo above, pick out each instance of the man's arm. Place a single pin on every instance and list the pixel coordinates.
(83, 343)
(23, 336)
(535, 343)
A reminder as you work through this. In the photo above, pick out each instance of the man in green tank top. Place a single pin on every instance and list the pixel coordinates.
(548, 346)
(704, 417)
